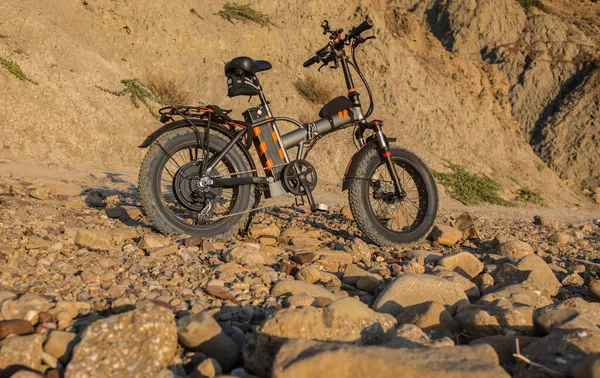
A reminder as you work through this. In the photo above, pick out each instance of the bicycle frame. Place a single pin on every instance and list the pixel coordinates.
(305, 134)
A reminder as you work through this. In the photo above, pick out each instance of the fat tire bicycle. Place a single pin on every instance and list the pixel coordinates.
(198, 176)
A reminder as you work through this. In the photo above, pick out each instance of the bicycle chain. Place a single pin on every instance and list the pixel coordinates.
(251, 210)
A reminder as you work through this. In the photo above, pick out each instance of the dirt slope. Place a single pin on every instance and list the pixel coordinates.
(545, 52)
(439, 104)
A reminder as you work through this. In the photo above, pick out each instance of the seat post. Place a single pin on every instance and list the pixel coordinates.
(265, 104)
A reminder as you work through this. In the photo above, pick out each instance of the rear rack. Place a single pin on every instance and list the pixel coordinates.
(168, 113)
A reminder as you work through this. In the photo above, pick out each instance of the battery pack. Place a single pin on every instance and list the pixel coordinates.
(265, 140)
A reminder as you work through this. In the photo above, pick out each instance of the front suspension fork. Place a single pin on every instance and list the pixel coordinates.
(386, 155)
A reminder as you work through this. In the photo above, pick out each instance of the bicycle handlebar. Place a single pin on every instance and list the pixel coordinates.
(311, 61)
(364, 26)
(355, 32)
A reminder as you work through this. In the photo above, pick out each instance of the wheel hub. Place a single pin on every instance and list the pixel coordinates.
(193, 191)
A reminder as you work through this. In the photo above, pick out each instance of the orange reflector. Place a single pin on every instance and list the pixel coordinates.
(281, 155)
(387, 153)
(274, 135)
(262, 148)
(351, 90)
(340, 114)
(345, 113)
(256, 130)
(269, 163)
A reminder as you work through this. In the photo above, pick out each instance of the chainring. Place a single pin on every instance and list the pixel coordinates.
(292, 174)
(187, 188)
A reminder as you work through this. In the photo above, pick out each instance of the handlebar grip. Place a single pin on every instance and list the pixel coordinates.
(365, 25)
(311, 61)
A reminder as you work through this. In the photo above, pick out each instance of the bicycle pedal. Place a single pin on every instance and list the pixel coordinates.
(319, 207)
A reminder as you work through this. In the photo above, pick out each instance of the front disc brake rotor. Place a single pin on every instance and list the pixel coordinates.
(188, 190)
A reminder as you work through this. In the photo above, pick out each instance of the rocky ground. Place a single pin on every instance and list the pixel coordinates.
(89, 289)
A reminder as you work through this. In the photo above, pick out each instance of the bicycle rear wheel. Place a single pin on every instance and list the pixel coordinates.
(171, 194)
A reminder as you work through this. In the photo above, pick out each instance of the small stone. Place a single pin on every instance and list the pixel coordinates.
(60, 344)
(428, 316)
(94, 239)
(572, 280)
(301, 300)
(463, 263)
(41, 193)
(368, 284)
(346, 212)
(202, 333)
(514, 249)
(303, 258)
(545, 222)
(15, 326)
(353, 273)
(258, 231)
(560, 238)
(304, 242)
(160, 252)
(446, 235)
(308, 274)
(193, 241)
(245, 256)
(150, 241)
(209, 368)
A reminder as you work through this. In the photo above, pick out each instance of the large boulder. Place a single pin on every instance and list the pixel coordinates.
(429, 316)
(201, 332)
(22, 350)
(496, 319)
(463, 263)
(560, 352)
(505, 345)
(304, 358)
(573, 313)
(470, 289)
(541, 276)
(516, 294)
(515, 249)
(141, 343)
(347, 320)
(446, 235)
(27, 306)
(411, 289)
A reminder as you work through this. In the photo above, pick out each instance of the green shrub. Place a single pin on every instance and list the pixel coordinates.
(13, 68)
(137, 92)
(528, 5)
(313, 90)
(530, 195)
(470, 189)
(244, 13)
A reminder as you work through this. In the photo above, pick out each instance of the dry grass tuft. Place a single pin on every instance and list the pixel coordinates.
(313, 90)
(169, 91)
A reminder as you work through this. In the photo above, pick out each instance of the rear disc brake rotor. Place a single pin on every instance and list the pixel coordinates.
(187, 188)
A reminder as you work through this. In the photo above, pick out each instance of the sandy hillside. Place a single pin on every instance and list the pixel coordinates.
(444, 106)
